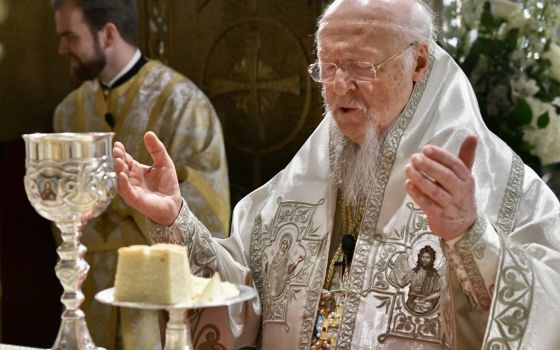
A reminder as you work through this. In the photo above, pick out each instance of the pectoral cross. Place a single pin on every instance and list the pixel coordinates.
(329, 321)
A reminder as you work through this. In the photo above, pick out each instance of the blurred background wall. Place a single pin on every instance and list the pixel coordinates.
(248, 56)
(32, 79)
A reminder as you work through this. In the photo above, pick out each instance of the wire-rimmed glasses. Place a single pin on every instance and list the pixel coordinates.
(323, 72)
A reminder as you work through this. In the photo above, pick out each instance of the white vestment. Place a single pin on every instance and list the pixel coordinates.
(498, 282)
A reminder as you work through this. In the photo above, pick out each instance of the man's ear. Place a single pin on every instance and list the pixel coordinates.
(109, 35)
(421, 61)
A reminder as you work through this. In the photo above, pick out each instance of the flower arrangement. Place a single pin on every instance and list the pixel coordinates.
(511, 54)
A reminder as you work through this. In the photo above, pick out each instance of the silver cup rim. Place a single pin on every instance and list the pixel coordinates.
(68, 136)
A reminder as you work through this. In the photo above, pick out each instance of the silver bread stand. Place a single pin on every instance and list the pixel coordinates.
(177, 330)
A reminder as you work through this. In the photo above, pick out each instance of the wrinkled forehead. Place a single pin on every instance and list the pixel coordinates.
(357, 22)
(352, 34)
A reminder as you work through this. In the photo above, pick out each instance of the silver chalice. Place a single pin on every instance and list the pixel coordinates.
(70, 179)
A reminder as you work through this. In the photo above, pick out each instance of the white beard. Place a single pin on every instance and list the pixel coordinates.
(354, 168)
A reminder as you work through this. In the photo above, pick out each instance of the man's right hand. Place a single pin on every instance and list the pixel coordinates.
(153, 191)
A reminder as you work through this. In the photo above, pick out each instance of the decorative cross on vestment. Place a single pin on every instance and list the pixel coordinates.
(284, 270)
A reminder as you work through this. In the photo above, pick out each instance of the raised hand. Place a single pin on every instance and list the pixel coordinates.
(443, 186)
(152, 190)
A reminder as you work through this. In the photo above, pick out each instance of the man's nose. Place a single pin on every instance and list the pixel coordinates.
(62, 47)
(342, 82)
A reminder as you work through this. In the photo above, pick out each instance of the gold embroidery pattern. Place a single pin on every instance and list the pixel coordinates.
(513, 294)
(311, 305)
(512, 300)
(407, 326)
(257, 243)
(204, 336)
(208, 337)
(463, 248)
(350, 225)
(256, 253)
(197, 239)
(510, 202)
(396, 243)
(288, 249)
(371, 215)
(408, 287)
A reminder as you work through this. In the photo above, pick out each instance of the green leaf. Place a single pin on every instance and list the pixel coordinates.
(511, 40)
(547, 45)
(478, 47)
(543, 120)
(522, 113)
(486, 19)
(524, 146)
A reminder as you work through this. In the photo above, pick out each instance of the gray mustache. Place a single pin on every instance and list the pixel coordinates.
(351, 104)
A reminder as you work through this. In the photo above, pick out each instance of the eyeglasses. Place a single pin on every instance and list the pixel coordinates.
(323, 72)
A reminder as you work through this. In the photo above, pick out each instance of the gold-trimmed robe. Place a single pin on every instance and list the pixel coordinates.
(499, 280)
(161, 100)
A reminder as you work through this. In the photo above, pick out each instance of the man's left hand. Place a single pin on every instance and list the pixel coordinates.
(443, 186)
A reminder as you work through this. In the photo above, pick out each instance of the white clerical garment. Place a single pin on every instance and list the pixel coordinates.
(494, 287)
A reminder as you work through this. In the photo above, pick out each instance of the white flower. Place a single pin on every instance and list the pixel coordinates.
(553, 55)
(524, 87)
(473, 35)
(504, 9)
(545, 142)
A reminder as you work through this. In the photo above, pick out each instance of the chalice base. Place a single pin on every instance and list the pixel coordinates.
(73, 334)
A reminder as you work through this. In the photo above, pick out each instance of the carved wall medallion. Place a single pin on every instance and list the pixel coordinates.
(261, 91)
(250, 58)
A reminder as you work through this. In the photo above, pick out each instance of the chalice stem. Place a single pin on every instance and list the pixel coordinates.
(71, 270)
(177, 331)
(69, 178)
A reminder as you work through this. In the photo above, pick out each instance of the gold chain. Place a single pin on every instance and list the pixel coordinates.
(350, 225)
(330, 272)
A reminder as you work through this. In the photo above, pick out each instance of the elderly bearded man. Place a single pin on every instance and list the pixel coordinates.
(375, 183)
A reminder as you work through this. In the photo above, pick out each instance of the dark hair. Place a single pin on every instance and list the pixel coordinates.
(122, 13)
(432, 253)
